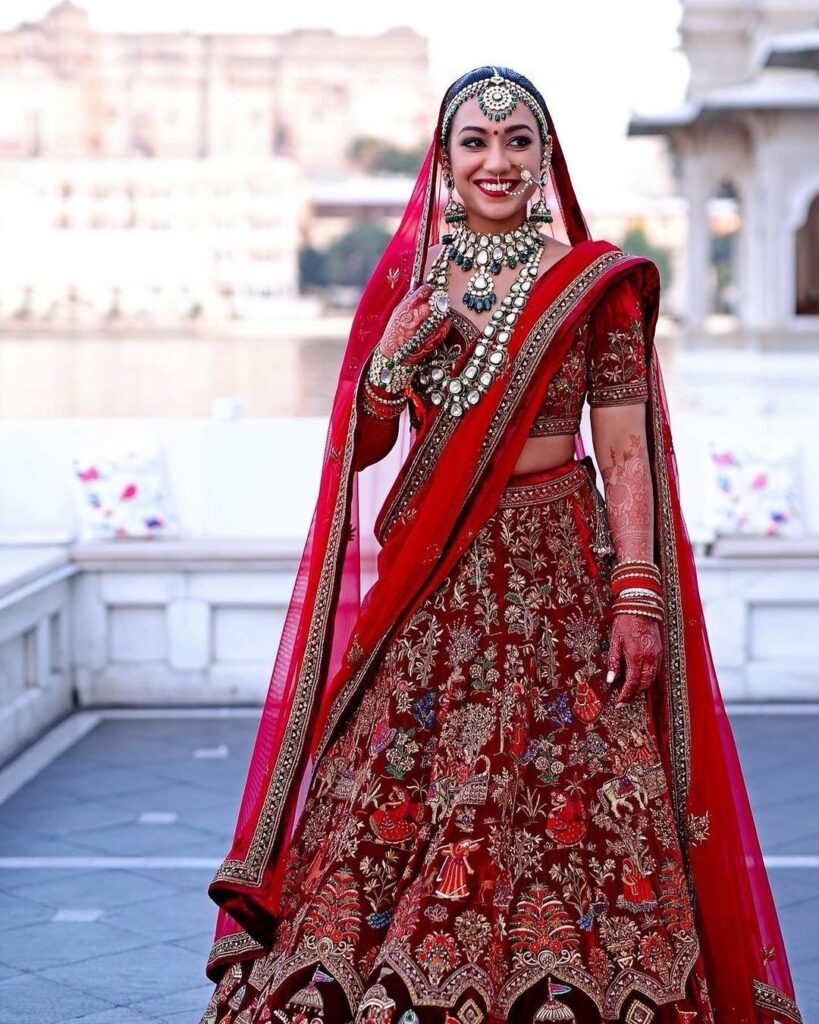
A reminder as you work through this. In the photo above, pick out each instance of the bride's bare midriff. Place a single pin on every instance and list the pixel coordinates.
(544, 453)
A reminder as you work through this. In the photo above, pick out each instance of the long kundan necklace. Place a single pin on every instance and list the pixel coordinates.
(522, 247)
(489, 253)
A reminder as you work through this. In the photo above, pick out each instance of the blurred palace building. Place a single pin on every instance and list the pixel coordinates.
(142, 175)
(746, 141)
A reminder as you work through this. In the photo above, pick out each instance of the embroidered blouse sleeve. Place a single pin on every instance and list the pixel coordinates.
(617, 372)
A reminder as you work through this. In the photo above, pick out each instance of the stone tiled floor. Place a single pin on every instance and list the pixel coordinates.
(137, 952)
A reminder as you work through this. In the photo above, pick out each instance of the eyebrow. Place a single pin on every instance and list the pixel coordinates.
(483, 131)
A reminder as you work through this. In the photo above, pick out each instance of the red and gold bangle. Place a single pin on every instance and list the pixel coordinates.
(383, 396)
(645, 612)
(638, 595)
(638, 602)
(379, 412)
(382, 408)
(636, 567)
(644, 562)
(636, 575)
(621, 584)
(637, 589)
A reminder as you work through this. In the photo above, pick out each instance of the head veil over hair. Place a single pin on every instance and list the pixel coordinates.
(335, 629)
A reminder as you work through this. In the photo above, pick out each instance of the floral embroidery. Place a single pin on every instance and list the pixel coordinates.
(607, 358)
(487, 819)
(697, 827)
(563, 404)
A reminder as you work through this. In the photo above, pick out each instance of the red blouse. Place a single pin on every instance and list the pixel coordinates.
(605, 363)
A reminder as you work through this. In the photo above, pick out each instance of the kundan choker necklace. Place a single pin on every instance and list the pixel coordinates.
(457, 393)
(489, 253)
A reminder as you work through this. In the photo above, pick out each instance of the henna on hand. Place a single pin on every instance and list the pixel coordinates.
(630, 499)
(637, 640)
(405, 320)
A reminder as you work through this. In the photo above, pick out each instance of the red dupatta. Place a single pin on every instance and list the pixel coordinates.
(447, 487)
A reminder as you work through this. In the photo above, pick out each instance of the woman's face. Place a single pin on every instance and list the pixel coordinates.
(482, 152)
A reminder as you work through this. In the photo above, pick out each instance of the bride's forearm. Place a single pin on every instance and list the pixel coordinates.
(622, 454)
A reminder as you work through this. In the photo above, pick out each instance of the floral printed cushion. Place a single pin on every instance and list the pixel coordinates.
(123, 494)
(753, 490)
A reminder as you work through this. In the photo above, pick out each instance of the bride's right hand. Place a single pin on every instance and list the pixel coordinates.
(406, 318)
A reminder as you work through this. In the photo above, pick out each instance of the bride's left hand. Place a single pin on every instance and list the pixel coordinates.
(636, 640)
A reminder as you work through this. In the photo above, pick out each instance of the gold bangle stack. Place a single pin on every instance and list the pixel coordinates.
(637, 588)
(379, 405)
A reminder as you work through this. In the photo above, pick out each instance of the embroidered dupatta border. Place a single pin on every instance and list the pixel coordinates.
(423, 231)
(774, 1001)
(250, 869)
(679, 717)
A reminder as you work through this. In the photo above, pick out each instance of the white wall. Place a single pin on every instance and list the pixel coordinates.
(258, 478)
(235, 478)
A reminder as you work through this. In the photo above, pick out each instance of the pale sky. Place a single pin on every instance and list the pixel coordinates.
(595, 61)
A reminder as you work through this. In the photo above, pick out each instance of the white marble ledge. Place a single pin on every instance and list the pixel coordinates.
(21, 566)
(221, 554)
(795, 552)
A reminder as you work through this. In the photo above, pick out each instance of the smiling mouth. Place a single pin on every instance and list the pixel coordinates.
(495, 188)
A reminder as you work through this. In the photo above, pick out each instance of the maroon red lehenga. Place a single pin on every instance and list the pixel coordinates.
(447, 818)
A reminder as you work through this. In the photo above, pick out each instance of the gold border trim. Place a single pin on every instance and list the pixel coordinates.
(679, 717)
(774, 1000)
(250, 869)
(541, 492)
(237, 945)
(421, 245)
(608, 1001)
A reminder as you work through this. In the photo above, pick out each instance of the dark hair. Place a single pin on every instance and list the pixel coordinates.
(478, 74)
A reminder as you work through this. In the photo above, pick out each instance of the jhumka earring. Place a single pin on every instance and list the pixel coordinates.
(455, 212)
(540, 212)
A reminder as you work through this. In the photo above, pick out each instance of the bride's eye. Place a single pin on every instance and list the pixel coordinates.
(468, 142)
(520, 141)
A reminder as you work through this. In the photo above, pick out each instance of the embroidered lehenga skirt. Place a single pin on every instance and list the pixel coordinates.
(489, 838)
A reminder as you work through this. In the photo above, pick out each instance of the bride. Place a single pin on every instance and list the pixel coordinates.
(501, 786)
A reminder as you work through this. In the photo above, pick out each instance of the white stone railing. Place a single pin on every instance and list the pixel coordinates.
(179, 622)
(197, 622)
(36, 680)
(761, 601)
(189, 622)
